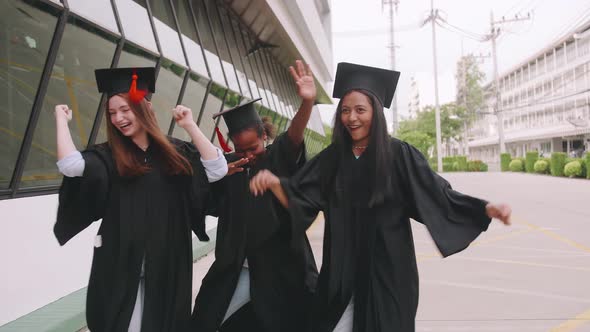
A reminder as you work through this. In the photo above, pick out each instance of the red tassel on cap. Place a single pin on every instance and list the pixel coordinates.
(136, 95)
(222, 141)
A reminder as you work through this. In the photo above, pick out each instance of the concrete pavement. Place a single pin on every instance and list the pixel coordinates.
(532, 276)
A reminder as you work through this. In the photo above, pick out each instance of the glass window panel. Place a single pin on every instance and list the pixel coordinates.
(97, 11)
(232, 100)
(270, 74)
(25, 36)
(190, 38)
(213, 105)
(267, 87)
(222, 46)
(243, 53)
(136, 23)
(207, 42)
(72, 83)
(167, 31)
(194, 94)
(234, 51)
(130, 57)
(168, 84)
(256, 72)
(284, 88)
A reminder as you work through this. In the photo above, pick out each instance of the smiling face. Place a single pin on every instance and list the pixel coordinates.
(123, 117)
(357, 116)
(249, 145)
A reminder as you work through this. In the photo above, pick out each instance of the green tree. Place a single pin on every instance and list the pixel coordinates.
(470, 94)
(418, 139)
(415, 131)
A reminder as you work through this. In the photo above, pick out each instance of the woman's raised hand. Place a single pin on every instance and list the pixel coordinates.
(63, 113)
(183, 116)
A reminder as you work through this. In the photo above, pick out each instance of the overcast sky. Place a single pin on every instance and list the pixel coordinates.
(361, 36)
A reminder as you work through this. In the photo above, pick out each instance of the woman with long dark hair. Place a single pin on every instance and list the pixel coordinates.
(369, 185)
(149, 191)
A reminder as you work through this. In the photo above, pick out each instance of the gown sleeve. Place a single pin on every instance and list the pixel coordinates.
(305, 194)
(199, 192)
(82, 200)
(453, 219)
(285, 157)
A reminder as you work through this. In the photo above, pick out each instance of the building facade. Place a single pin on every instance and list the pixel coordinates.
(209, 55)
(544, 101)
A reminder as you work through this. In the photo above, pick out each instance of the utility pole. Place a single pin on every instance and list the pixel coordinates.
(494, 33)
(393, 107)
(433, 16)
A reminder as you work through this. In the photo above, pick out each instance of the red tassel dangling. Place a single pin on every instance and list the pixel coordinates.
(136, 95)
(222, 141)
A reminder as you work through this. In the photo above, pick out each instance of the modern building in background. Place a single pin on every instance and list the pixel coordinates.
(545, 102)
(209, 55)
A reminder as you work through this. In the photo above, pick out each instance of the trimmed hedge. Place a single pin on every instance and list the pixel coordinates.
(541, 167)
(531, 159)
(461, 163)
(455, 164)
(557, 163)
(476, 166)
(505, 160)
(583, 165)
(587, 159)
(573, 169)
(516, 165)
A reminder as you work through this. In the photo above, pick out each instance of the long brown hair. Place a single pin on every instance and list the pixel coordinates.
(122, 147)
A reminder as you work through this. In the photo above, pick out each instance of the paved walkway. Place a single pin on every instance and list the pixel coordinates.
(533, 276)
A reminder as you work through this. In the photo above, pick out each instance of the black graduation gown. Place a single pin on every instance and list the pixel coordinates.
(369, 252)
(149, 216)
(281, 277)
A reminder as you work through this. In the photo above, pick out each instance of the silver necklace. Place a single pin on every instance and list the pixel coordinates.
(360, 147)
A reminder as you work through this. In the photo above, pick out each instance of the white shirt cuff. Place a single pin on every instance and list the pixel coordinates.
(215, 169)
(72, 165)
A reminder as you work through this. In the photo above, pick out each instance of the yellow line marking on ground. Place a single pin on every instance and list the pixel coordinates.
(436, 254)
(76, 111)
(505, 261)
(501, 237)
(574, 323)
(557, 237)
(53, 73)
(20, 137)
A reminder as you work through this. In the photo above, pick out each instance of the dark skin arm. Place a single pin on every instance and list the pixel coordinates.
(303, 78)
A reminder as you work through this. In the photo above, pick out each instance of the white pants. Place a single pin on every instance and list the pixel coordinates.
(241, 294)
(135, 323)
(345, 322)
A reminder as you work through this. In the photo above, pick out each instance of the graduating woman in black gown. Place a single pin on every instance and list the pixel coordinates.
(369, 185)
(258, 282)
(148, 189)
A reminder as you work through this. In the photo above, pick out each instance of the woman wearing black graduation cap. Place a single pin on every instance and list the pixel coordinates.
(258, 282)
(369, 185)
(149, 190)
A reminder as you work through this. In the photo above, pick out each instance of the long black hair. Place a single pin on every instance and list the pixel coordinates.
(378, 152)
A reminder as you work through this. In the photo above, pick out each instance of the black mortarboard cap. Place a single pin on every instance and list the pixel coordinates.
(240, 117)
(380, 82)
(113, 81)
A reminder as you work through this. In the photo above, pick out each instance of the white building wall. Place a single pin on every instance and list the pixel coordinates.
(550, 91)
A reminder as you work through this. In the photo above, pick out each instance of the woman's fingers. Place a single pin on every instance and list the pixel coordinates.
(294, 74)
